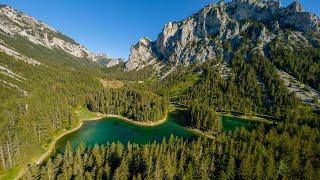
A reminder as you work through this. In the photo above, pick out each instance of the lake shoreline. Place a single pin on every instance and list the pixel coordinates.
(200, 133)
(138, 123)
(98, 117)
(53, 144)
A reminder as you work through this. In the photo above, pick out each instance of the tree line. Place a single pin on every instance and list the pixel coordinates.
(55, 89)
(252, 85)
(204, 118)
(134, 104)
(288, 151)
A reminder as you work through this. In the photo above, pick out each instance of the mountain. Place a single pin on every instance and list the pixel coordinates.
(14, 23)
(219, 30)
(201, 36)
(245, 59)
(107, 61)
(26, 39)
(44, 75)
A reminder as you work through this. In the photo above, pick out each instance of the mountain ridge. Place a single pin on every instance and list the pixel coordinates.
(15, 23)
(199, 37)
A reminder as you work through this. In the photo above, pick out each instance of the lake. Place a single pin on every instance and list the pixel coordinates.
(108, 130)
(230, 123)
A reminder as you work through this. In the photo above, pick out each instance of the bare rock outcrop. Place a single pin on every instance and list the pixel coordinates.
(200, 37)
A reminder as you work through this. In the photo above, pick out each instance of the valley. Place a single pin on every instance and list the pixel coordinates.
(230, 92)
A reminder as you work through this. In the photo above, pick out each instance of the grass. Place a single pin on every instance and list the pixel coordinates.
(111, 84)
(183, 85)
(249, 118)
(10, 174)
(84, 113)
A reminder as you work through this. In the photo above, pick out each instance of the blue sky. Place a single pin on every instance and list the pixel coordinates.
(112, 26)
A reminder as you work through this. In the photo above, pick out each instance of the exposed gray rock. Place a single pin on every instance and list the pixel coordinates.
(141, 55)
(108, 61)
(199, 37)
(14, 23)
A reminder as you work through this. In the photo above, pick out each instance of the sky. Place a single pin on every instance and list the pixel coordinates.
(112, 26)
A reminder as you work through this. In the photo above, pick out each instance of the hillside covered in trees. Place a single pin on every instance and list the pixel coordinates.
(237, 68)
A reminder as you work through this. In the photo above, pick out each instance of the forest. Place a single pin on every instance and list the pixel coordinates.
(288, 151)
(247, 82)
(251, 86)
(204, 118)
(134, 104)
(303, 63)
(54, 92)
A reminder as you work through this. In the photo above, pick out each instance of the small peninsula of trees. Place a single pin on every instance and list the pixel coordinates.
(204, 118)
(134, 104)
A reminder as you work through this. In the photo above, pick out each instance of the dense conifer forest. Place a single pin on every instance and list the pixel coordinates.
(243, 80)
(136, 105)
(54, 92)
(288, 151)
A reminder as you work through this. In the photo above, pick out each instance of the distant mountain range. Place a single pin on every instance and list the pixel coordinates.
(15, 25)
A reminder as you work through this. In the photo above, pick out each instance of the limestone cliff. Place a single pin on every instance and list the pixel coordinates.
(201, 36)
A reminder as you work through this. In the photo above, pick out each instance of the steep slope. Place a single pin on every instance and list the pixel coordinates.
(201, 36)
(14, 23)
(44, 76)
(281, 35)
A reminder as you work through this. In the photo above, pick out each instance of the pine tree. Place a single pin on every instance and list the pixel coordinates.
(259, 169)
(309, 171)
(230, 174)
(271, 168)
(122, 172)
(50, 172)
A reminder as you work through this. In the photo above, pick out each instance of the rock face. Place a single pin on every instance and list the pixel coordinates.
(14, 23)
(108, 61)
(200, 37)
(141, 55)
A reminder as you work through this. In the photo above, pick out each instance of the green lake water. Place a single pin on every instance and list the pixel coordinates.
(110, 130)
(230, 123)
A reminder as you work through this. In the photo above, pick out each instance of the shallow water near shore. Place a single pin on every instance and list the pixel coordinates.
(110, 129)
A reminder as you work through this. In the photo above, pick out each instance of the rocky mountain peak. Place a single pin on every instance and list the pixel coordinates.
(295, 6)
(144, 41)
(199, 37)
(141, 55)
